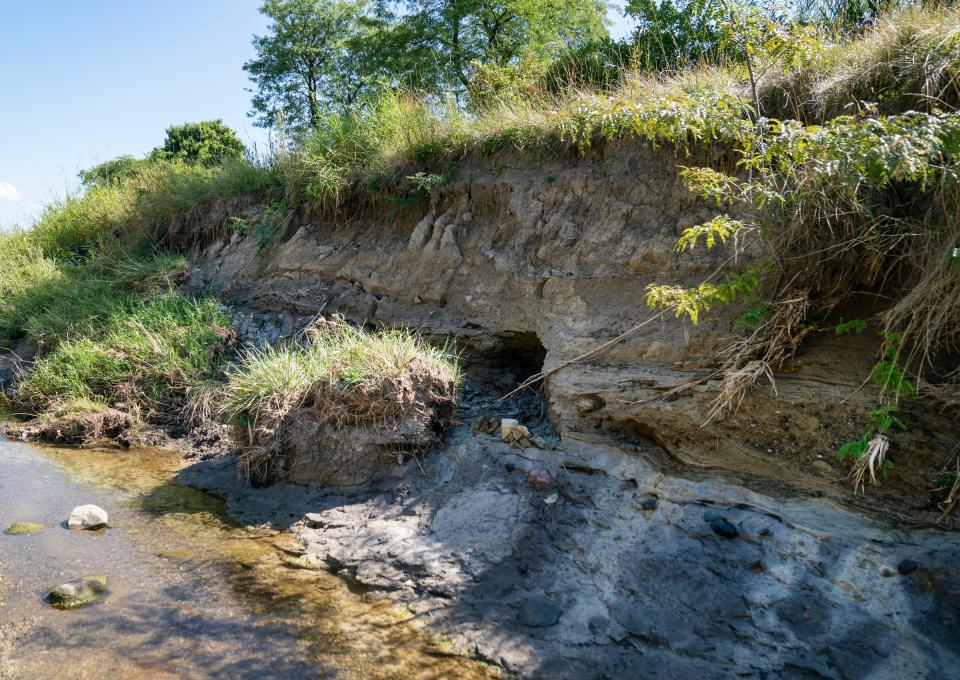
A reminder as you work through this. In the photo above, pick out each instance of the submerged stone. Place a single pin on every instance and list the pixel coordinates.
(87, 517)
(23, 528)
(78, 593)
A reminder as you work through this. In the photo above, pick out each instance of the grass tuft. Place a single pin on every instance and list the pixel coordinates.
(280, 399)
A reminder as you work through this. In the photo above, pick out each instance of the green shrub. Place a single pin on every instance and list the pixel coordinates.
(208, 143)
(111, 172)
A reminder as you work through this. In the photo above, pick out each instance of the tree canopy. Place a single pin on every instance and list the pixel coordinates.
(206, 143)
(319, 54)
(307, 59)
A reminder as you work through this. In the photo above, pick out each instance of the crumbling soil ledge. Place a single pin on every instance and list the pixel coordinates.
(598, 566)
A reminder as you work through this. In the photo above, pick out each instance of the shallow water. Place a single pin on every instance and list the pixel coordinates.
(191, 594)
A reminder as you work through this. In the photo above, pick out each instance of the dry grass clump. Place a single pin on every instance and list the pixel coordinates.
(336, 391)
(80, 422)
(909, 60)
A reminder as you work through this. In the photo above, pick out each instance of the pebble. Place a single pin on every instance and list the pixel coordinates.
(823, 467)
(539, 478)
(647, 503)
(887, 572)
(720, 525)
(724, 528)
(510, 467)
(907, 567)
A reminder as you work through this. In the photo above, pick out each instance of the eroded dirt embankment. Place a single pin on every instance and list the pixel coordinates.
(601, 563)
(529, 262)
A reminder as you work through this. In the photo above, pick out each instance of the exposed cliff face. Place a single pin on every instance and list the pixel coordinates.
(525, 257)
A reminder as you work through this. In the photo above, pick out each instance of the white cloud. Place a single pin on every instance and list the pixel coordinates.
(8, 192)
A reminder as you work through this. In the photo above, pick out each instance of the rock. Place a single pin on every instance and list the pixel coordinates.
(23, 528)
(539, 478)
(78, 593)
(308, 562)
(510, 467)
(907, 567)
(316, 520)
(720, 525)
(513, 433)
(724, 528)
(588, 405)
(598, 625)
(823, 467)
(87, 517)
(539, 613)
(551, 499)
(887, 571)
(649, 503)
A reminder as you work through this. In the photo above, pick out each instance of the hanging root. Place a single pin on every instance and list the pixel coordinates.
(870, 463)
(756, 356)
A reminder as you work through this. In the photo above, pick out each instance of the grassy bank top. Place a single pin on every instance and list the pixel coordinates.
(402, 143)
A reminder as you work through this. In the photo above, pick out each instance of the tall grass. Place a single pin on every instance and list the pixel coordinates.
(908, 60)
(144, 357)
(92, 290)
(339, 357)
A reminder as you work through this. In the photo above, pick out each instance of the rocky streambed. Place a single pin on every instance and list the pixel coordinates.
(190, 593)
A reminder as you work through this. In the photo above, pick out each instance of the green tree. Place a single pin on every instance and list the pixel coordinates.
(676, 33)
(207, 143)
(310, 57)
(437, 45)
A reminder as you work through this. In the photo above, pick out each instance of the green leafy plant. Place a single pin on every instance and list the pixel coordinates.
(240, 225)
(887, 374)
(424, 182)
(868, 452)
(855, 326)
(715, 231)
(694, 301)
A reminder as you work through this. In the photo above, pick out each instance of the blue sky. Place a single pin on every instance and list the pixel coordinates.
(85, 81)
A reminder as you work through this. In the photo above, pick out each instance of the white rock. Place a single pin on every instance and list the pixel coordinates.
(87, 517)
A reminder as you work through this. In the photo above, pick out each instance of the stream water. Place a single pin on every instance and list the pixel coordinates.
(191, 595)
